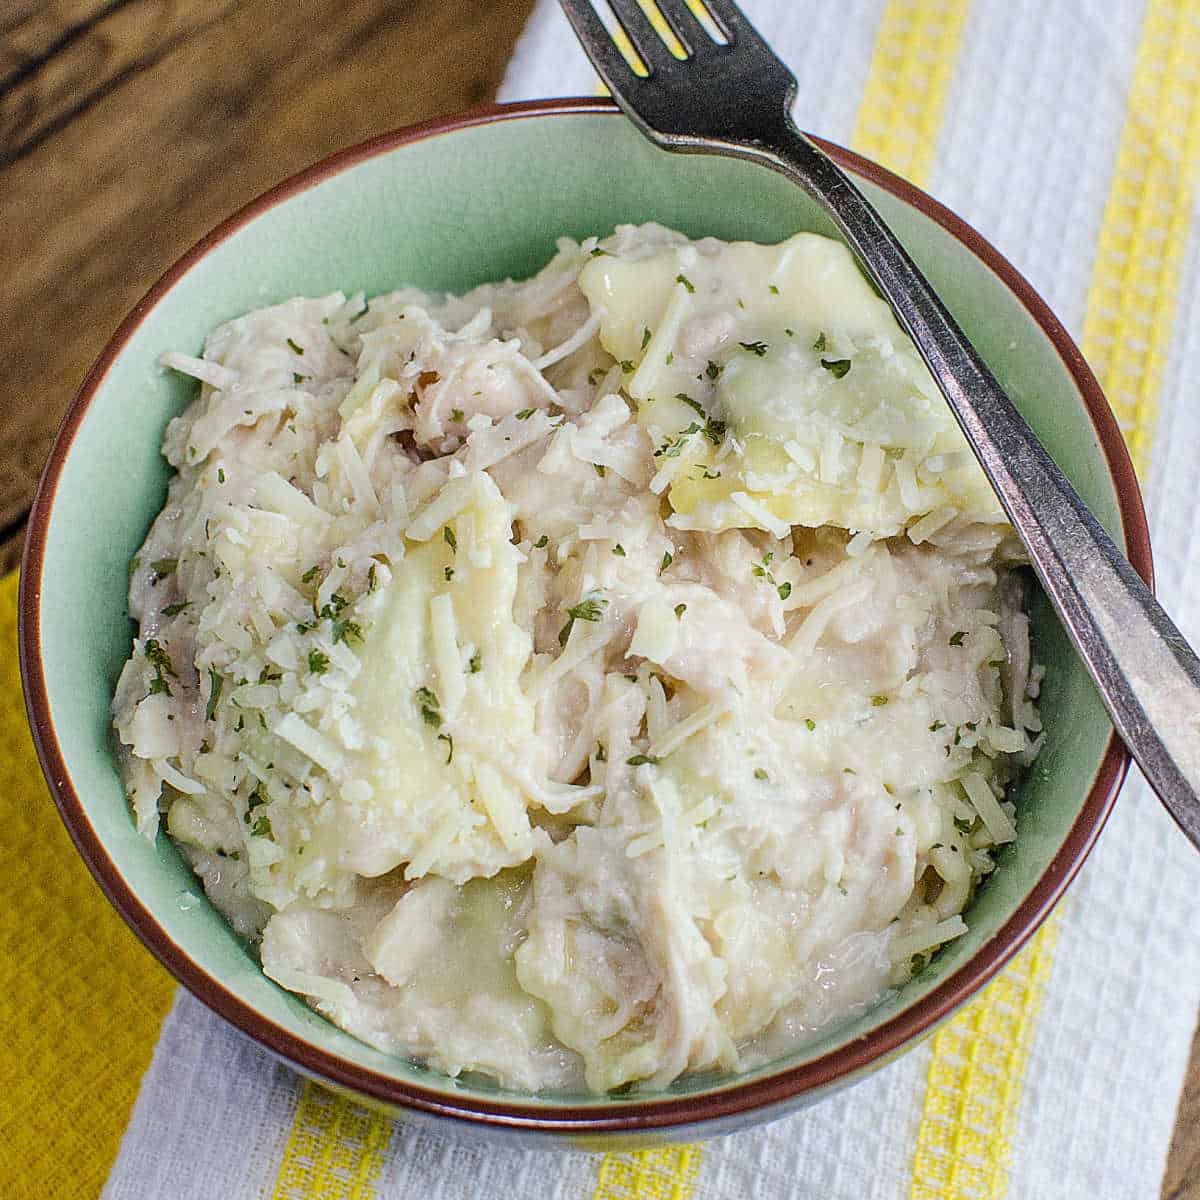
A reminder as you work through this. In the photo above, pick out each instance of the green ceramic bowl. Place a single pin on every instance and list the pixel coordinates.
(446, 206)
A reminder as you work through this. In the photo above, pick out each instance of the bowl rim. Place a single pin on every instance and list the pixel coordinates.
(659, 1113)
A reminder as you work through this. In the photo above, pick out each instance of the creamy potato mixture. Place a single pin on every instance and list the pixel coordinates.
(586, 680)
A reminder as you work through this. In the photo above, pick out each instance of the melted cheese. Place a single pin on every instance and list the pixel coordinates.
(834, 418)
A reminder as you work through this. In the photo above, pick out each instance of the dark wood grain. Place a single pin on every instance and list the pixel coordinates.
(130, 127)
(1182, 1179)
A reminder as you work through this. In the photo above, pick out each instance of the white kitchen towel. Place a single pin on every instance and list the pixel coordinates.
(1069, 134)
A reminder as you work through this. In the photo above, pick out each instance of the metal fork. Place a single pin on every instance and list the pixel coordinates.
(734, 98)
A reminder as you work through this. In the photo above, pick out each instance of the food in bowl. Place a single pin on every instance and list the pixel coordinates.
(585, 680)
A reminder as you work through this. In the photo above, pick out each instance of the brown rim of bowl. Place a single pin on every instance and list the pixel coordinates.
(658, 1113)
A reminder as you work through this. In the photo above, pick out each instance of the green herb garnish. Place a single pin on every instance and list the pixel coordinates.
(645, 338)
(836, 367)
(445, 737)
(540, 544)
(759, 773)
(318, 662)
(525, 414)
(680, 609)
(449, 538)
(429, 706)
(673, 447)
(586, 610)
(619, 550)
(346, 631)
(476, 661)
(456, 414)
(160, 660)
(667, 559)
(162, 567)
(809, 724)
(215, 684)
(687, 283)
(295, 348)
(691, 403)
(712, 370)
(641, 760)
(173, 610)
(758, 348)
(956, 639)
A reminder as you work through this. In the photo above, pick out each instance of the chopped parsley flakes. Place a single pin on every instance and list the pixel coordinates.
(160, 660)
(215, 684)
(590, 609)
(295, 349)
(429, 706)
(687, 283)
(318, 662)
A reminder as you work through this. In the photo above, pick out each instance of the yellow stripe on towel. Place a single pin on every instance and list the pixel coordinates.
(81, 1002)
(335, 1150)
(915, 55)
(1147, 222)
(975, 1076)
(665, 1174)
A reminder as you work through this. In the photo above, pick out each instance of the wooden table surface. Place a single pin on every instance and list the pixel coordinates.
(129, 127)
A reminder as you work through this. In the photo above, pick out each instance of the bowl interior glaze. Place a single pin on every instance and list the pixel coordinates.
(447, 209)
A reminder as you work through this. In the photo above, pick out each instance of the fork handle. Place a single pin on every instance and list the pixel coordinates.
(1147, 675)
